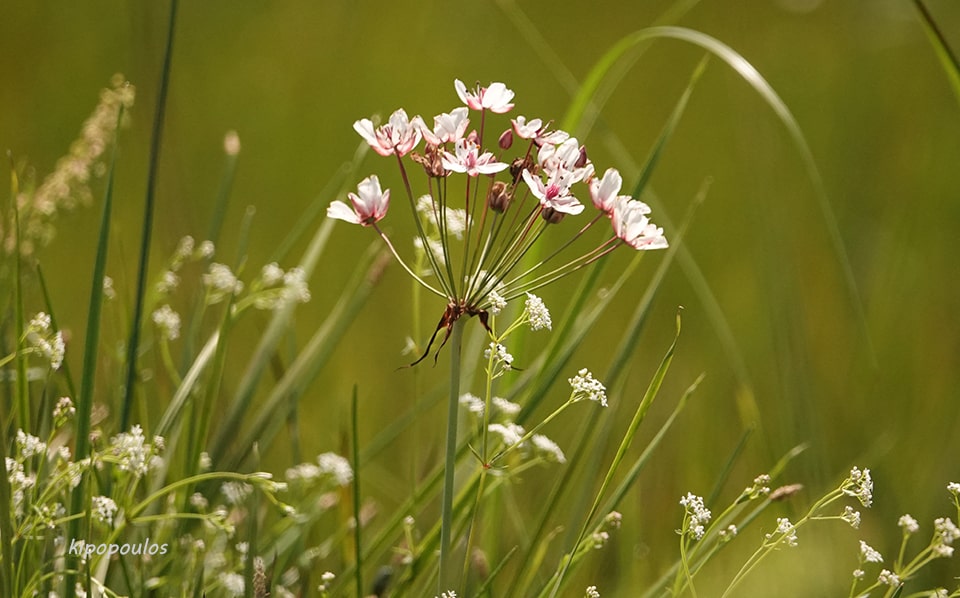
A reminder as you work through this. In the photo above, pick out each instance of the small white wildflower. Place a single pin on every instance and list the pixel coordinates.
(51, 346)
(108, 291)
(337, 466)
(954, 488)
(206, 249)
(696, 514)
(940, 593)
(448, 594)
(942, 550)
(184, 249)
(613, 519)
(585, 386)
(859, 485)
(29, 445)
(908, 524)
(600, 539)
(169, 281)
(728, 534)
(167, 321)
(104, 508)
(235, 492)
(40, 323)
(271, 274)
(63, 411)
(497, 303)
(204, 461)
(436, 248)
(548, 448)
(761, 486)
(56, 351)
(456, 222)
(510, 433)
(327, 576)
(80, 592)
(505, 407)
(787, 530)
(472, 402)
(132, 451)
(592, 592)
(295, 286)
(859, 573)
(852, 517)
(231, 143)
(501, 356)
(221, 281)
(232, 583)
(888, 578)
(242, 547)
(303, 471)
(945, 531)
(868, 554)
(409, 521)
(198, 501)
(537, 313)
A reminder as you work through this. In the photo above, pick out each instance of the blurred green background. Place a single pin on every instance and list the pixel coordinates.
(861, 79)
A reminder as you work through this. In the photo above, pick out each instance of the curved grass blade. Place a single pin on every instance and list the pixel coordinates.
(133, 343)
(948, 59)
(84, 405)
(753, 78)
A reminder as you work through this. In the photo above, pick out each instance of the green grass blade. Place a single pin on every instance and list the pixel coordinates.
(6, 526)
(84, 402)
(266, 348)
(556, 582)
(23, 397)
(634, 472)
(948, 59)
(753, 78)
(612, 375)
(133, 343)
(273, 413)
(357, 553)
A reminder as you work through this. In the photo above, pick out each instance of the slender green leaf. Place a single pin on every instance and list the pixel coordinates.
(948, 59)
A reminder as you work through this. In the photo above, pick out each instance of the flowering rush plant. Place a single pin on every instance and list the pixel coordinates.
(474, 247)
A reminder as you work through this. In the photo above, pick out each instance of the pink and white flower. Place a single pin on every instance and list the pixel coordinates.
(605, 192)
(495, 98)
(527, 130)
(448, 127)
(568, 156)
(469, 160)
(555, 194)
(369, 206)
(398, 136)
(631, 225)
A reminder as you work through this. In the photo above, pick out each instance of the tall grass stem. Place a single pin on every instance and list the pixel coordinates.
(133, 345)
(450, 460)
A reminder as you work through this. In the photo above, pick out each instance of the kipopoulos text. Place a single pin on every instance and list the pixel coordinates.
(87, 549)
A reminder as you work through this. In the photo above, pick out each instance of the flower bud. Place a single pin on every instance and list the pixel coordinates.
(473, 137)
(582, 158)
(506, 139)
(499, 196)
(519, 165)
(551, 215)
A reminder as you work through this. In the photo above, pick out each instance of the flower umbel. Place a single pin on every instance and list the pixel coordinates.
(470, 251)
